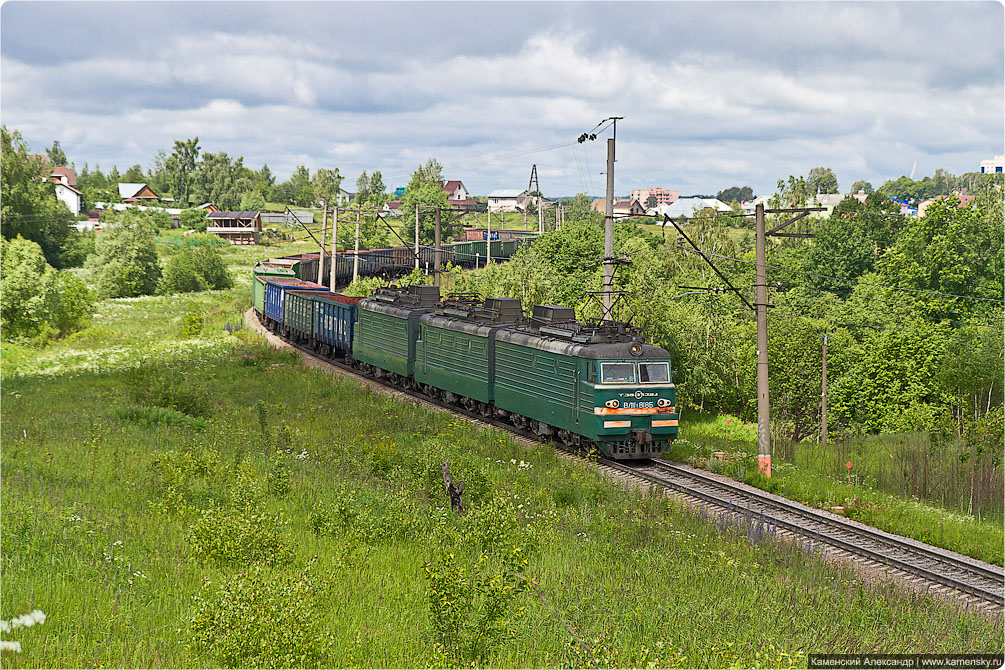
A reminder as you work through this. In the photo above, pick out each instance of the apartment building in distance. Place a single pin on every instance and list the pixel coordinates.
(993, 165)
(663, 196)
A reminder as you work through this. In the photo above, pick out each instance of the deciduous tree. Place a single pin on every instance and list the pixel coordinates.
(326, 184)
(863, 186)
(57, 157)
(36, 297)
(821, 180)
(125, 261)
(425, 191)
(29, 205)
(180, 165)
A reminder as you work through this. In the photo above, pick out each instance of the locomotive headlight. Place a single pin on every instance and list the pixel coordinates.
(613, 404)
(662, 402)
(636, 349)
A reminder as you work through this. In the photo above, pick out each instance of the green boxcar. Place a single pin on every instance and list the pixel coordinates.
(462, 254)
(387, 327)
(456, 346)
(258, 285)
(298, 314)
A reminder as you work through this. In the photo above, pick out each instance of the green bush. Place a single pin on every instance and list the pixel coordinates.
(223, 535)
(278, 481)
(192, 322)
(78, 246)
(472, 609)
(194, 219)
(335, 518)
(267, 619)
(197, 268)
(36, 301)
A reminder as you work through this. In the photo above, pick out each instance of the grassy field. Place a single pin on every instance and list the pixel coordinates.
(883, 488)
(177, 496)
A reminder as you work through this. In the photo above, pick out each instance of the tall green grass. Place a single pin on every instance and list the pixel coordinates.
(944, 494)
(309, 513)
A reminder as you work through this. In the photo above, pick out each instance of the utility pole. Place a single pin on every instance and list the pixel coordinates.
(436, 251)
(416, 236)
(761, 305)
(331, 275)
(823, 392)
(355, 258)
(488, 242)
(324, 231)
(609, 233)
(540, 215)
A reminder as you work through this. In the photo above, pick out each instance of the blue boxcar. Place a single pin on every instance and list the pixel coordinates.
(275, 295)
(334, 316)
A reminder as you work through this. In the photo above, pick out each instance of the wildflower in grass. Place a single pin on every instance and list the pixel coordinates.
(23, 621)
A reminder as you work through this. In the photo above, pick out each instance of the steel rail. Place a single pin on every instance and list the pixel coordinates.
(890, 544)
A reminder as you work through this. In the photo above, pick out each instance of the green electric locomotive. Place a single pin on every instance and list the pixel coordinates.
(586, 384)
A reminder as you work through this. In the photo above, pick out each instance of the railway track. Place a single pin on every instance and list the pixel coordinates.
(981, 584)
(922, 567)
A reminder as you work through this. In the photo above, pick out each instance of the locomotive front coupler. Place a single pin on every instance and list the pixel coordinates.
(642, 437)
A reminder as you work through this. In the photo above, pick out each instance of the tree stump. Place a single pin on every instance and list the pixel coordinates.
(453, 490)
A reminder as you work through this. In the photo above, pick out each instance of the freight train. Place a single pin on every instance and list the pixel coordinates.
(392, 261)
(586, 385)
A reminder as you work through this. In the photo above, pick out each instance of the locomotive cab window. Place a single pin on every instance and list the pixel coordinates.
(617, 373)
(654, 373)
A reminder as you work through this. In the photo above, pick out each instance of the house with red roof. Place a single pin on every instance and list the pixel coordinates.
(454, 189)
(66, 188)
(457, 195)
(965, 201)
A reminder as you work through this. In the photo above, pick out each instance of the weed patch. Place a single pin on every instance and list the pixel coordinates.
(169, 387)
(472, 608)
(159, 416)
(238, 536)
(264, 618)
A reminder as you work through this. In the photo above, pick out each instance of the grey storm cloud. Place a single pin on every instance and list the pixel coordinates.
(714, 94)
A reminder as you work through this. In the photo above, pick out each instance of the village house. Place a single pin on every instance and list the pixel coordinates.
(66, 188)
(457, 195)
(622, 208)
(508, 200)
(138, 194)
(965, 201)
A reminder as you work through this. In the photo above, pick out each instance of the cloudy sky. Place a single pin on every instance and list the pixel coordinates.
(714, 94)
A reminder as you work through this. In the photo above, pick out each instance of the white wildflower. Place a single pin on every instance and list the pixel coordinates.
(23, 621)
(10, 645)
